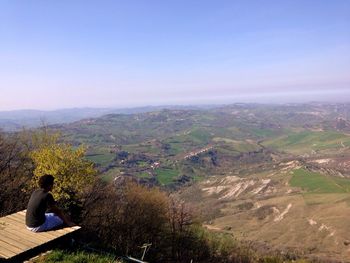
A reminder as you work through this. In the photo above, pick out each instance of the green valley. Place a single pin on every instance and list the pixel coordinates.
(264, 173)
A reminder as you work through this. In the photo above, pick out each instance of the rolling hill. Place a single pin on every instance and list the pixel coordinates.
(273, 175)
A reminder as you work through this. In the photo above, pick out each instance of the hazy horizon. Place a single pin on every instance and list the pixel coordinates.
(56, 55)
(202, 104)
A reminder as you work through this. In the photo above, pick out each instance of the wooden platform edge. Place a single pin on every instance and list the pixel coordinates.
(26, 250)
(35, 251)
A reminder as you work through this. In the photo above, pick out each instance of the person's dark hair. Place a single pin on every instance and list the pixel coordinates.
(46, 180)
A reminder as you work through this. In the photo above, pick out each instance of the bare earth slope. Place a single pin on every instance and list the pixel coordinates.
(269, 207)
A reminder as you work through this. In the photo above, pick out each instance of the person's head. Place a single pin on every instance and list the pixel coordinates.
(46, 182)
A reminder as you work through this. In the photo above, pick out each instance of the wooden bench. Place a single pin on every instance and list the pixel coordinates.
(16, 240)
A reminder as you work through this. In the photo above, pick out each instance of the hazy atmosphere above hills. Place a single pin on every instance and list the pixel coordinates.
(67, 54)
(197, 131)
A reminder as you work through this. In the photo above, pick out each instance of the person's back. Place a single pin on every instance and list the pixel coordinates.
(37, 206)
(37, 220)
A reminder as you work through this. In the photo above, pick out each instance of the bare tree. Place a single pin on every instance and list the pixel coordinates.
(15, 172)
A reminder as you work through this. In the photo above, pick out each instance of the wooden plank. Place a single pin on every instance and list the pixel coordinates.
(19, 217)
(20, 243)
(3, 255)
(23, 229)
(23, 215)
(7, 253)
(52, 233)
(16, 239)
(24, 232)
(22, 235)
(8, 250)
(64, 231)
(12, 221)
(13, 245)
(48, 235)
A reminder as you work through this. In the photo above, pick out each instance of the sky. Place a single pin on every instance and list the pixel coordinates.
(64, 54)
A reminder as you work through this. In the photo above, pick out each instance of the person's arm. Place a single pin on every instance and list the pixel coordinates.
(51, 204)
(61, 215)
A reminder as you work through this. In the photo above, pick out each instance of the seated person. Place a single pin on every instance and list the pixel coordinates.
(41, 200)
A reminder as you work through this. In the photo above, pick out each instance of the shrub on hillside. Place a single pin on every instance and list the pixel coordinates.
(126, 216)
(72, 172)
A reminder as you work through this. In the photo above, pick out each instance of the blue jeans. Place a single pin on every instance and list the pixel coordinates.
(51, 221)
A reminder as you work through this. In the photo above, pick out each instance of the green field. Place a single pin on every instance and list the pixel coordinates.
(263, 132)
(144, 175)
(110, 174)
(239, 146)
(200, 136)
(317, 183)
(183, 142)
(306, 141)
(141, 148)
(176, 146)
(166, 176)
(102, 159)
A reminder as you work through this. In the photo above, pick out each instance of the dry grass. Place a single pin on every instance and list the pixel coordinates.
(288, 219)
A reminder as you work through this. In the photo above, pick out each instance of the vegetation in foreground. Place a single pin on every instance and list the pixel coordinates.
(65, 256)
(81, 256)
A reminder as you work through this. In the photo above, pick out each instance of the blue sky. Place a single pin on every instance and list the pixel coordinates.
(59, 54)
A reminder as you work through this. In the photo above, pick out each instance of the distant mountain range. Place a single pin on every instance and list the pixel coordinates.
(17, 119)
